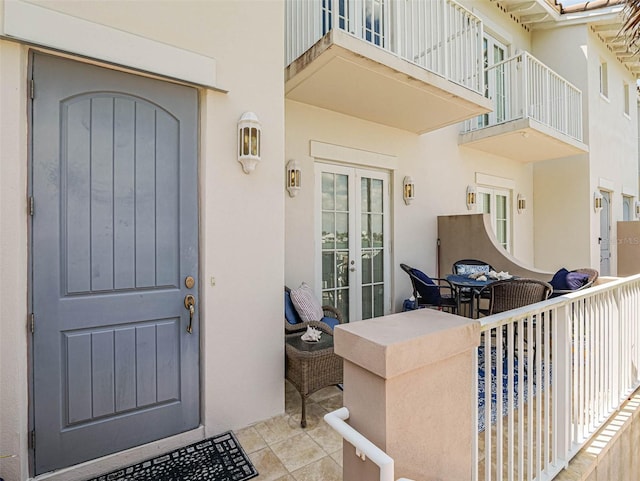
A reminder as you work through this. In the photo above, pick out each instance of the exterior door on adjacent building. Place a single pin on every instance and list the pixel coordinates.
(353, 233)
(605, 234)
(114, 237)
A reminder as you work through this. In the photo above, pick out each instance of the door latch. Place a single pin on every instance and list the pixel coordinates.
(190, 305)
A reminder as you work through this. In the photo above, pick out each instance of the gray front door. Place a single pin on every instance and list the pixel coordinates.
(114, 235)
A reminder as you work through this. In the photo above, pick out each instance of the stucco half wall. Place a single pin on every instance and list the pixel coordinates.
(470, 237)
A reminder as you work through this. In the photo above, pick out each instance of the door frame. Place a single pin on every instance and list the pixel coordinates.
(354, 173)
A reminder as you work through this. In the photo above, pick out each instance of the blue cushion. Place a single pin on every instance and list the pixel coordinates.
(575, 280)
(559, 281)
(467, 269)
(290, 313)
(331, 322)
(429, 295)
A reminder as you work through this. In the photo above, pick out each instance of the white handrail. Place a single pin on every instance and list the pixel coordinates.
(364, 448)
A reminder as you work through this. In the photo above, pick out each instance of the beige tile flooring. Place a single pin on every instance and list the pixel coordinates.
(283, 451)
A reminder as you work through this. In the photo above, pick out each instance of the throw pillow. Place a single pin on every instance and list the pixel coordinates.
(306, 303)
(429, 295)
(575, 280)
(559, 281)
(290, 313)
(467, 269)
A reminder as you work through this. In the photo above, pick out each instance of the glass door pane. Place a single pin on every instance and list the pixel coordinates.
(372, 246)
(335, 241)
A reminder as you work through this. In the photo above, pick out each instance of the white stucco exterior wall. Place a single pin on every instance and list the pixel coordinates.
(242, 218)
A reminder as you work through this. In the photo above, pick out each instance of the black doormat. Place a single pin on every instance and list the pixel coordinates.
(220, 458)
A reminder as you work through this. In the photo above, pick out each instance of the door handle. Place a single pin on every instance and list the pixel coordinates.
(190, 305)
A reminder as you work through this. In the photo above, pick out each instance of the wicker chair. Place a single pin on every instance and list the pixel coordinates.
(513, 293)
(330, 312)
(310, 367)
(593, 275)
(466, 295)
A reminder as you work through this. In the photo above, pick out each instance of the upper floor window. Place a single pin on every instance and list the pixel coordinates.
(625, 97)
(497, 203)
(604, 80)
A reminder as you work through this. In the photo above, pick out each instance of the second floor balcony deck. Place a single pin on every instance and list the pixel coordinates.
(537, 114)
(412, 65)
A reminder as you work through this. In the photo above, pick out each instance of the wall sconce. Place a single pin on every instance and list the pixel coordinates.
(521, 203)
(408, 190)
(294, 176)
(471, 196)
(637, 209)
(597, 201)
(249, 138)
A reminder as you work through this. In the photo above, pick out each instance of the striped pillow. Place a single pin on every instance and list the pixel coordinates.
(306, 303)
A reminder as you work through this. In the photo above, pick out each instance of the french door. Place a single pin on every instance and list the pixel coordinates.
(352, 229)
(495, 80)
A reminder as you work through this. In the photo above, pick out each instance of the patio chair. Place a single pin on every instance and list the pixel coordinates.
(294, 322)
(464, 267)
(575, 280)
(431, 292)
(513, 293)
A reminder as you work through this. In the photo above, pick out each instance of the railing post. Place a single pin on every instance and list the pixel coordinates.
(562, 382)
(525, 85)
(408, 386)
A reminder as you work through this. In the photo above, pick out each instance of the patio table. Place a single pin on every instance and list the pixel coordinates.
(311, 366)
(474, 286)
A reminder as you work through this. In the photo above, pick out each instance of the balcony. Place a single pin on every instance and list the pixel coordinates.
(412, 65)
(537, 115)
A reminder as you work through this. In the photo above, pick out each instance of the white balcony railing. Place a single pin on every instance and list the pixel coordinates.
(523, 87)
(558, 370)
(439, 35)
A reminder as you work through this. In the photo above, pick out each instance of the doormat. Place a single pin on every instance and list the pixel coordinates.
(220, 458)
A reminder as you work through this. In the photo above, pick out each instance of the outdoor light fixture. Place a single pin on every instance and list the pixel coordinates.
(521, 203)
(471, 196)
(408, 190)
(597, 201)
(637, 209)
(294, 177)
(249, 138)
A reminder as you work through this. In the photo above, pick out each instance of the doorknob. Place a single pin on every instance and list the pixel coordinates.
(353, 267)
(190, 305)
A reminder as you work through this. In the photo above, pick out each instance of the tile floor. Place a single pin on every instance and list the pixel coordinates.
(282, 451)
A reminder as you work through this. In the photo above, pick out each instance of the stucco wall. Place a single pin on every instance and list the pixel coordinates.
(242, 218)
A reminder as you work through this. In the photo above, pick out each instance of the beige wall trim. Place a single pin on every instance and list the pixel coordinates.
(41, 26)
(606, 184)
(349, 155)
(495, 181)
(630, 191)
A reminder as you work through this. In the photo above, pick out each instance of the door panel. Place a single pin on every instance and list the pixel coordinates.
(353, 231)
(115, 230)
